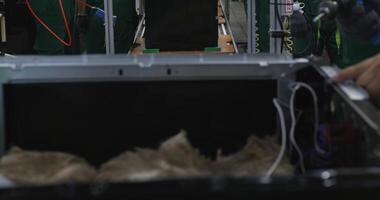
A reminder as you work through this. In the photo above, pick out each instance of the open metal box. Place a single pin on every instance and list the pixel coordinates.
(99, 106)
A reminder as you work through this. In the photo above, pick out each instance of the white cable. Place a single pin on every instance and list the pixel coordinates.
(294, 122)
(292, 128)
(283, 139)
(316, 117)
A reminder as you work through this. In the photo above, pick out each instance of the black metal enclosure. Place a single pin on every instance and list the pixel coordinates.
(97, 107)
(99, 120)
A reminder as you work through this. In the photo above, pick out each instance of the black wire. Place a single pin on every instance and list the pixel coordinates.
(278, 17)
(277, 13)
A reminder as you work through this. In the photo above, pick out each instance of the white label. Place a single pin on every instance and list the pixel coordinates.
(289, 7)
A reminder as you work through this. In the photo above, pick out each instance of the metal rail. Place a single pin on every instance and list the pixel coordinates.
(109, 27)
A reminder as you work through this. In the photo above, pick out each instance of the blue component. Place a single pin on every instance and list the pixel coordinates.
(376, 39)
(100, 13)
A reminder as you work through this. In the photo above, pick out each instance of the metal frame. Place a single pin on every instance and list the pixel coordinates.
(45, 69)
(251, 26)
(275, 43)
(274, 25)
(226, 29)
(109, 27)
(227, 6)
(142, 68)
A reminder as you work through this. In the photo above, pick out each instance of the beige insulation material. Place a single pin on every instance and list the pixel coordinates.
(175, 158)
(44, 168)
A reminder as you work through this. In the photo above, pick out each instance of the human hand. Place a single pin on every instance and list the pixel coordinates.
(366, 74)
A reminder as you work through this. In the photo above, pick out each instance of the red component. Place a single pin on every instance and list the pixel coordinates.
(341, 134)
(67, 27)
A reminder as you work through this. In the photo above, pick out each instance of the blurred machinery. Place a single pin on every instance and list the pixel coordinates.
(354, 16)
(183, 29)
(265, 27)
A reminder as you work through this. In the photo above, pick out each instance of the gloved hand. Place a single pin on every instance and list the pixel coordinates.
(82, 23)
(358, 23)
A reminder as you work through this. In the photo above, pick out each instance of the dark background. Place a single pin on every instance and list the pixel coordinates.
(20, 28)
(99, 120)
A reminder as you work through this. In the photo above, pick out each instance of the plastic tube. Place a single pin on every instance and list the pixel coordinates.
(67, 27)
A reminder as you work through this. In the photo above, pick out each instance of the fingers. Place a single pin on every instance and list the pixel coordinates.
(373, 89)
(368, 75)
(349, 73)
(355, 71)
(370, 79)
